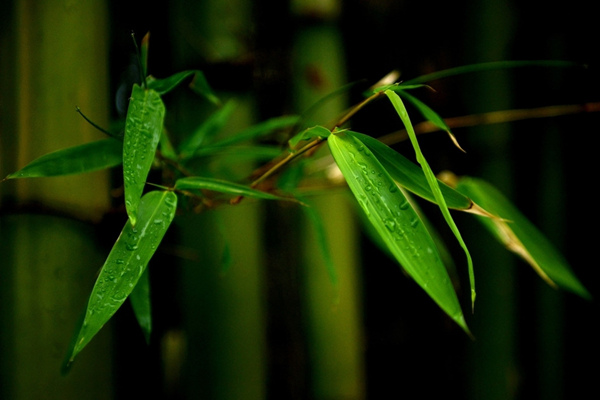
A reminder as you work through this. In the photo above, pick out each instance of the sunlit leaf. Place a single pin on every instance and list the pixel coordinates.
(218, 185)
(395, 221)
(308, 134)
(520, 236)
(125, 264)
(410, 176)
(143, 127)
(430, 115)
(140, 302)
(74, 160)
(433, 184)
(211, 126)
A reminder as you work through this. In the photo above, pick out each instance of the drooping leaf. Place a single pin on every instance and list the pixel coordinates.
(410, 176)
(395, 221)
(74, 160)
(218, 185)
(125, 264)
(198, 84)
(321, 237)
(143, 127)
(308, 134)
(433, 183)
(489, 66)
(166, 147)
(140, 302)
(430, 115)
(213, 124)
(520, 236)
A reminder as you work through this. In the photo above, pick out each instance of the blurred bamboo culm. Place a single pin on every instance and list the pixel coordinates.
(54, 57)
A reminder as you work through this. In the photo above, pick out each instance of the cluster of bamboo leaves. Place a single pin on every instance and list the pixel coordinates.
(381, 180)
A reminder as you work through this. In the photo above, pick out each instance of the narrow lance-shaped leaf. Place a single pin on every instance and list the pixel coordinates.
(308, 134)
(321, 237)
(430, 115)
(202, 135)
(489, 66)
(140, 302)
(199, 84)
(520, 236)
(395, 221)
(125, 264)
(433, 183)
(410, 176)
(74, 160)
(143, 127)
(218, 185)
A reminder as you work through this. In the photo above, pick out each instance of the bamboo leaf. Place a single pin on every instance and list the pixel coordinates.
(125, 264)
(308, 134)
(395, 221)
(433, 184)
(259, 130)
(240, 152)
(143, 127)
(410, 176)
(74, 160)
(489, 66)
(520, 236)
(218, 185)
(140, 302)
(430, 115)
(206, 130)
(198, 84)
(321, 237)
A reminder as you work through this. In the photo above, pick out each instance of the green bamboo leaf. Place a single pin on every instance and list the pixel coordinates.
(259, 130)
(166, 147)
(430, 115)
(433, 183)
(489, 66)
(213, 124)
(240, 152)
(520, 236)
(198, 84)
(74, 160)
(140, 302)
(308, 134)
(125, 265)
(143, 127)
(410, 176)
(321, 236)
(218, 185)
(395, 221)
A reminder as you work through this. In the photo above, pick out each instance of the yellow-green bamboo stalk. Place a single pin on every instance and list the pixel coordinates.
(55, 58)
(333, 311)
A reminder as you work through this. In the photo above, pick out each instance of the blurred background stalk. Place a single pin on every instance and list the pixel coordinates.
(223, 302)
(335, 342)
(54, 57)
